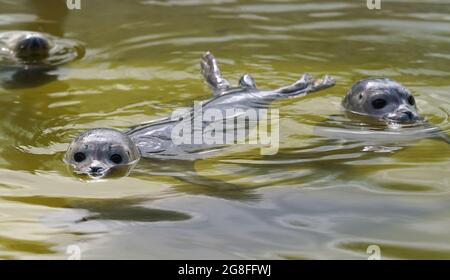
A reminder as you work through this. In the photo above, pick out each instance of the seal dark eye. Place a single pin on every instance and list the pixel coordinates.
(379, 103)
(411, 100)
(117, 159)
(79, 157)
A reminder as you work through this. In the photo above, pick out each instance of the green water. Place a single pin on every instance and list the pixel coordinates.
(318, 198)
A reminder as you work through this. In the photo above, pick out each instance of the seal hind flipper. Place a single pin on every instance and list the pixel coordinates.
(305, 84)
(247, 81)
(211, 73)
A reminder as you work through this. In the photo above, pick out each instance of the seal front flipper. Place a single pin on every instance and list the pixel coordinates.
(212, 75)
(306, 84)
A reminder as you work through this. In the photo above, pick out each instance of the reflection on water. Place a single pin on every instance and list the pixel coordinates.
(106, 209)
(324, 195)
(18, 77)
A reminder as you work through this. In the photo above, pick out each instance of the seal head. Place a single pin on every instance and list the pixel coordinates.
(102, 151)
(32, 47)
(383, 99)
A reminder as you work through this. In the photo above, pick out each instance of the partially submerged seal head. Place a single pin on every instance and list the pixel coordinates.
(32, 46)
(30, 59)
(102, 151)
(383, 99)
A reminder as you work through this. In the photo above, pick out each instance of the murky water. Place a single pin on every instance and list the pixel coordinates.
(319, 197)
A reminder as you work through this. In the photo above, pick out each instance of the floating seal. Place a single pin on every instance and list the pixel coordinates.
(29, 59)
(92, 152)
(383, 99)
(33, 47)
(37, 48)
(101, 151)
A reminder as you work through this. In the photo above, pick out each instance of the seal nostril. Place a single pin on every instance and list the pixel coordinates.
(96, 169)
(408, 114)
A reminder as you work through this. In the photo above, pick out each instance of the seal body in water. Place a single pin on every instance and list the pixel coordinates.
(383, 99)
(386, 112)
(154, 140)
(27, 57)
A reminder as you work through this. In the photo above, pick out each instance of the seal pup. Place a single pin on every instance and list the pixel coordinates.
(90, 150)
(386, 112)
(30, 59)
(96, 151)
(383, 99)
(27, 47)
